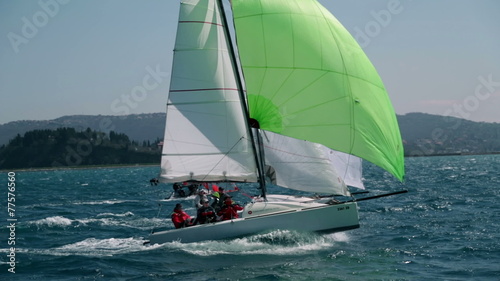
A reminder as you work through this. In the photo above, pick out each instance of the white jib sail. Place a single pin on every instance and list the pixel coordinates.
(206, 135)
(307, 166)
(349, 167)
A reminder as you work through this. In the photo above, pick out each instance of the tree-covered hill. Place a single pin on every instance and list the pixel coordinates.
(426, 134)
(138, 127)
(67, 147)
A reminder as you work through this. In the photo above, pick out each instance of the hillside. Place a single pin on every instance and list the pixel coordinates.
(138, 127)
(66, 147)
(423, 134)
(426, 134)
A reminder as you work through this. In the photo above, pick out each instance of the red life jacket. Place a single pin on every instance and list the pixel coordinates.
(229, 212)
(179, 217)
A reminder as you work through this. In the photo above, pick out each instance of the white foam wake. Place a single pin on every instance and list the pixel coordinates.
(126, 214)
(278, 242)
(122, 220)
(96, 247)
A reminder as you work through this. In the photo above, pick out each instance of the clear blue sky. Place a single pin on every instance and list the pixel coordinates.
(111, 57)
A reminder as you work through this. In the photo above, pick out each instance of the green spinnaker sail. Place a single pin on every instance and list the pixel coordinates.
(306, 77)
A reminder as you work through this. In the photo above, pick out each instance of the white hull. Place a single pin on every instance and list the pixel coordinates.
(264, 216)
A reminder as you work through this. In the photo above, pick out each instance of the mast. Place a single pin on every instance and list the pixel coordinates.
(257, 150)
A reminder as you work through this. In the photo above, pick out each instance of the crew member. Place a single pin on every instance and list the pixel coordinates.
(206, 213)
(180, 218)
(229, 210)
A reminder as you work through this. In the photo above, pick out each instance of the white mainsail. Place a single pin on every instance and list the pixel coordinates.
(206, 135)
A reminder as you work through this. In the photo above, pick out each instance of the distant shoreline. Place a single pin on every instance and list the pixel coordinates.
(158, 164)
(81, 167)
(453, 154)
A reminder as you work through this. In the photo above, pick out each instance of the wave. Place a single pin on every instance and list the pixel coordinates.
(99, 202)
(96, 248)
(103, 202)
(126, 214)
(56, 221)
(278, 242)
(122, 220)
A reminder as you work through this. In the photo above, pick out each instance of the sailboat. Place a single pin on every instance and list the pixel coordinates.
(281, 91)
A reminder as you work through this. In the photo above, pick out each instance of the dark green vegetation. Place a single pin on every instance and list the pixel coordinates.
(138, 127)
(66, 147)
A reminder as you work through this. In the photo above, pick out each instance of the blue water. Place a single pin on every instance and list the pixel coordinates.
(89, 224)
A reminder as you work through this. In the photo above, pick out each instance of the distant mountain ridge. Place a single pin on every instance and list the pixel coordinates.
(427, 134)
(423, 134)
(138, 127)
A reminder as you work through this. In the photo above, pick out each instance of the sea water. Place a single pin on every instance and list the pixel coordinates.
(90, 224)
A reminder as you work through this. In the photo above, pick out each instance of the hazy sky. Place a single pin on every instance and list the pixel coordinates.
(112, 57)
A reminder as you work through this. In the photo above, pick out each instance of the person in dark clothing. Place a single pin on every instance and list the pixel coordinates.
(216, 203)
(223, 195)
(206, 213)
(229, 210)
(179, 192)
(193, 189)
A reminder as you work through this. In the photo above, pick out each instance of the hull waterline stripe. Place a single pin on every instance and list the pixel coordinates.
(297, 210)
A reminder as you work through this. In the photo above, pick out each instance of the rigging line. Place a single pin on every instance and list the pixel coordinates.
(223, 156)
(160, 204)
(157, 215)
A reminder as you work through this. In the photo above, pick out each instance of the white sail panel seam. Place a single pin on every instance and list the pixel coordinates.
(202, 102)
(202, 22)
